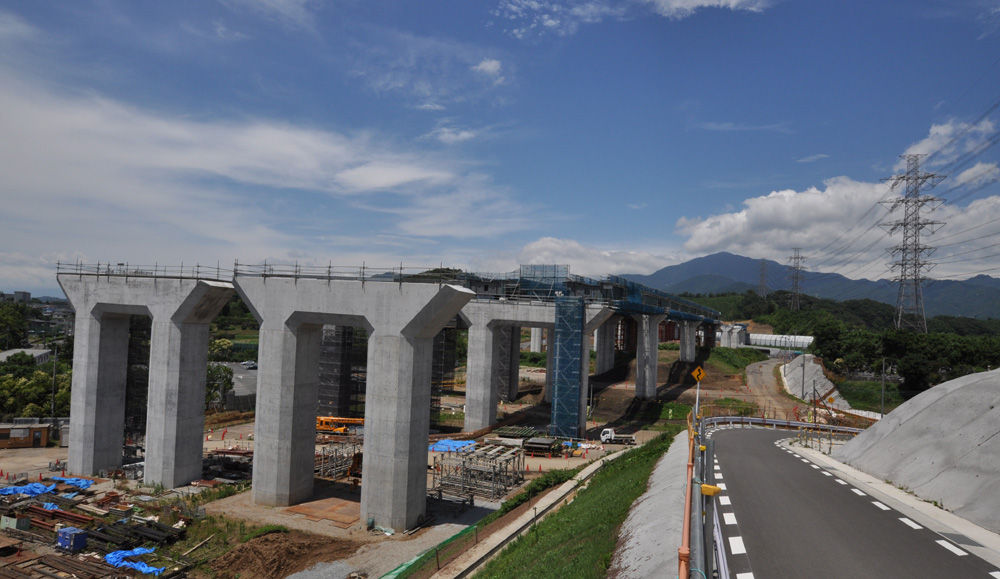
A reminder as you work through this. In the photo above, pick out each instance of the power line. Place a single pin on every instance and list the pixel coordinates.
(796, 265)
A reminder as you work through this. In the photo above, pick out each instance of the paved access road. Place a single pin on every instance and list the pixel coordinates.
(785, 517)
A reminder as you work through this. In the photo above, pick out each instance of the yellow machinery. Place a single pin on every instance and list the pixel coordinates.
(336, 424)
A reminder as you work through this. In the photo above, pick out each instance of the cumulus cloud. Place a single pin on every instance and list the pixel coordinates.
(978, 174)
(451, 135)
(950, 141)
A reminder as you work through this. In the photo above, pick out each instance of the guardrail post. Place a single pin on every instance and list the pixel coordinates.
(709, 478)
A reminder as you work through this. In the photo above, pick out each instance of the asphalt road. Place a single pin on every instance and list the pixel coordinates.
(795, 521)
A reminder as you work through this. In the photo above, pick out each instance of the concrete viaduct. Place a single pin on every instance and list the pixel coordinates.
(401, 315)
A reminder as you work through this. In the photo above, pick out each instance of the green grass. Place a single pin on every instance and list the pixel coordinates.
(533, 359)
(868, 395)
(579, 539)
(261, 531)
(734, 360)
(461, 541)
(654, 415)
(734, 407)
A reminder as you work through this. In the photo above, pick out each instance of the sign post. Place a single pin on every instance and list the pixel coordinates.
(698, 374)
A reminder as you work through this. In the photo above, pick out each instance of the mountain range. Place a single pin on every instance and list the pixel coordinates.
(976, 297)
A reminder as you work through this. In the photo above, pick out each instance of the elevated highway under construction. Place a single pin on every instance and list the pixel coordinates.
(401, 312)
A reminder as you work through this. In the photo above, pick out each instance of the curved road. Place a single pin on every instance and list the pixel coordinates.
(764, 389)
(786, 517)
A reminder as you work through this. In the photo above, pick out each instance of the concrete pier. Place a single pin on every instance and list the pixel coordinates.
(402, 320)
(689, 337)
(181, 310)
(604, 344)
(647, 353)
(536, 340)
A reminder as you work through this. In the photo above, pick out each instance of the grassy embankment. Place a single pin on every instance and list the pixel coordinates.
(579, 539)
(868, 395)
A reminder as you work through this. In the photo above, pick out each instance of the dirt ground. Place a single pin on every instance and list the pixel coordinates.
(278, 555)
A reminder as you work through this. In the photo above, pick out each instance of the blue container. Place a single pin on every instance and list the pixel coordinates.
(71, 539)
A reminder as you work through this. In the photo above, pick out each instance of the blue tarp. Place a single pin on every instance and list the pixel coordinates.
(448, 445)
(80, 483)
(118, 559)
(30, 489)
(50, 506)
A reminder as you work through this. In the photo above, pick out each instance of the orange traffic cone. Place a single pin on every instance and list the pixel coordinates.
(539, 468)
(39, 477)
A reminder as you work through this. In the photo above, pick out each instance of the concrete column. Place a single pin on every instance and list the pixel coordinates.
(688, 341)
(585, 346)
(647, 353)
(97, 403)
(536, 340)
(397, 419)
(480, 378)
(285, 431)
(514, 364)
(709, 330)
(604, 343)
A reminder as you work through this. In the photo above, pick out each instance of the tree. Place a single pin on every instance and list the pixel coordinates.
(13, 325)
(20, 365)
(221, 349)
(218, 381)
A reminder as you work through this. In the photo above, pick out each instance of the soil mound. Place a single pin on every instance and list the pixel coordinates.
(278, 555)
(944, 445)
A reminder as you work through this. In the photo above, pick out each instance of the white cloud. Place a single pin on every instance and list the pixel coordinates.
(97, 179)
(978, 174)
(431, 72)
(949, 141)
(13, 27)
(452, 135)
(677, 9)
(588, 260)
(813, 158)
(534, 18)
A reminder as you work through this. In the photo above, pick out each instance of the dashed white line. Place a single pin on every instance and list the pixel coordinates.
(750, 576)
(858, 492)
(995, 574)
(826, 473)
(880, 505)
(721, 486)
(724, 500)
(730, 518)
(795, 455)
(910, 524)
(718, 475)
(814, 466)
(951, 547)
(736, 546)
(805, 461)
(717, 467)
(840, 482)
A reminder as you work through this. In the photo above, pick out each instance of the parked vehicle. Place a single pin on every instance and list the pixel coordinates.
(608, 436)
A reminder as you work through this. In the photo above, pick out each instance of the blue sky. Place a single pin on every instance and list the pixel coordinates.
(613, 136)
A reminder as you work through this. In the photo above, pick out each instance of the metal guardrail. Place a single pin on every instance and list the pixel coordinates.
(700, 550)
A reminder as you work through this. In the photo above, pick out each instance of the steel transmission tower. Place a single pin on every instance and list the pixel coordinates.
(910, 254)
(796, 265)
(762, 286)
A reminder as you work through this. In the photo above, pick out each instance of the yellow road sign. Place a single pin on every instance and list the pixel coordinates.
(698, 373)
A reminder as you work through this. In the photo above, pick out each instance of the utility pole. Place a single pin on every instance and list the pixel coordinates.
(910, 252)
(883, 387)
(796, 265)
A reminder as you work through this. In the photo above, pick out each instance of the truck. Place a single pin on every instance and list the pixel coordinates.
(609, 436)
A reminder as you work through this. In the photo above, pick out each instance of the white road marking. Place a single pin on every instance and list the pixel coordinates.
(950, 547)
(750, 576)
(826, 473)
(880, 505)
(724, 500)
(995, 574)
(718, 475)
(814, 466)
(805, 461)
(857, 492)
(841, 482)
(730, 518)
(736, 546)
(795, 455)
(721, 486)
(717, 467)
(910, 524)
